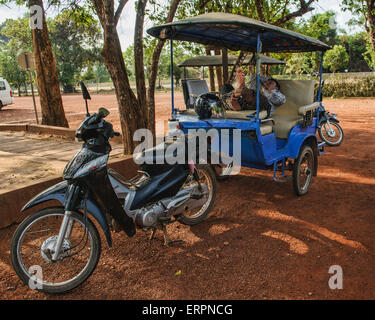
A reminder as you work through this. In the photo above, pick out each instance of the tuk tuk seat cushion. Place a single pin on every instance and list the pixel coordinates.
(241, 115)
(299, 99)
(266, 129)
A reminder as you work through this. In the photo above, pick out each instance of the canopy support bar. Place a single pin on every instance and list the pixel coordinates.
(172, 80)
(320, 78)
(258, 65)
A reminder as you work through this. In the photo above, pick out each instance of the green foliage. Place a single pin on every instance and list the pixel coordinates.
(369, 55)
(75, 37)
(336, 59)
(75, 41)
(3, 39)
(16, 38)
(357, 46)
(341, 88)
(9, 68)
(301, 63)
(321, 26)
(18, 33)
(272, 10)
(129, 61)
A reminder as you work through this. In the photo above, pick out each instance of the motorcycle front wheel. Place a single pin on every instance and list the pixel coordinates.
(33, 245)
(331, 133)
(206, 176)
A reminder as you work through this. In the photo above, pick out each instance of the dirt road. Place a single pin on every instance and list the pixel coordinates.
(259, 242)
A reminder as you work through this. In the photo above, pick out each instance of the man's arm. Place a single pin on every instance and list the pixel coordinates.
(275, 97)
(253, 81)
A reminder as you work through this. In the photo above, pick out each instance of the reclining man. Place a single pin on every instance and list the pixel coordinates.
(270, 96)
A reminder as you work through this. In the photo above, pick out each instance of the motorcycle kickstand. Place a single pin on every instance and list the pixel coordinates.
(167, 240)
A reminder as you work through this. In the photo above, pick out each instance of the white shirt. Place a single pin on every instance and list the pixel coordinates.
(275, 97)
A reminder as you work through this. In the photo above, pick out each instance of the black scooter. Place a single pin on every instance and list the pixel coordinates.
(57, 248)
(329, 129)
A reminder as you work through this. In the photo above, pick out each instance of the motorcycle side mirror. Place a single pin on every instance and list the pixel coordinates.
(86, 96)
(85, 92)
(104, 112)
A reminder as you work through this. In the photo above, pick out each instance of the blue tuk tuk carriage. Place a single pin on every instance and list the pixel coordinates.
(285, 142)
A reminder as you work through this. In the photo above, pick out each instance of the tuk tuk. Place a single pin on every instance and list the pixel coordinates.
(285, 142)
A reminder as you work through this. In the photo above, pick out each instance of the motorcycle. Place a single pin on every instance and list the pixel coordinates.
(57, 248)
(329, 129)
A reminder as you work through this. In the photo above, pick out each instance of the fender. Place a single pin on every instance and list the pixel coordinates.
(333, 119)
(297, 139)
(58, 192)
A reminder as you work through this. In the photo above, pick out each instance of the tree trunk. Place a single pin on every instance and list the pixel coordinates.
(140, 78)
(131, 115)
(48, 84)
(154, 70)
(371, 21)
(225, 65)
(238, 63)
(219, 73)
(211, 73)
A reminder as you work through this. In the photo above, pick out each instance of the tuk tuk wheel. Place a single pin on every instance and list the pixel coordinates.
(303, 170)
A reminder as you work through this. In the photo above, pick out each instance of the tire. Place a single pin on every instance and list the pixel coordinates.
(208, 173)
(323, 134)
(1, 105)
(306, 155)
(218, 169)
(55, 267)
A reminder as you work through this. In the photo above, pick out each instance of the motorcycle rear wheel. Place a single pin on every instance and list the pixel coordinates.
(206, 176)
(32, 248)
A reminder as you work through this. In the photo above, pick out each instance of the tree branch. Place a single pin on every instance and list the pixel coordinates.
(119, 9)
(259, 6)
(304, 8)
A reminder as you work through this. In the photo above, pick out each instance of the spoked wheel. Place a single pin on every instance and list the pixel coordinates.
(331, 133)
(303, 170)
(197, 215)
(33, 247)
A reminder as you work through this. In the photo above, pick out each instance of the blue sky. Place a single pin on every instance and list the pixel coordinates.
(127, 21)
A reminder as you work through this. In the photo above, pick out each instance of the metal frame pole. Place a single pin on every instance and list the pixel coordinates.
(172, 79)
(320, 78)
(258, 65)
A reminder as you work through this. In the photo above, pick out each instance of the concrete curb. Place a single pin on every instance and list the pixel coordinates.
(11, 202)
(49, 130)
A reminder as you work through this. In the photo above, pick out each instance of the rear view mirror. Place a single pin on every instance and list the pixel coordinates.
(85, 92)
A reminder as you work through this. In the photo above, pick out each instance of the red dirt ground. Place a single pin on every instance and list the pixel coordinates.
(260, 240)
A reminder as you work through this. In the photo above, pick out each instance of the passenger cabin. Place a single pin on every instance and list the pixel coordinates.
(298, 109)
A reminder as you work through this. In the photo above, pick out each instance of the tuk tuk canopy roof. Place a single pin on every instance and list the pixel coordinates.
(236, 32)
(216, 61)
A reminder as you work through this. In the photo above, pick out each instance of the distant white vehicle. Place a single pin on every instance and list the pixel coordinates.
(6, 94)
